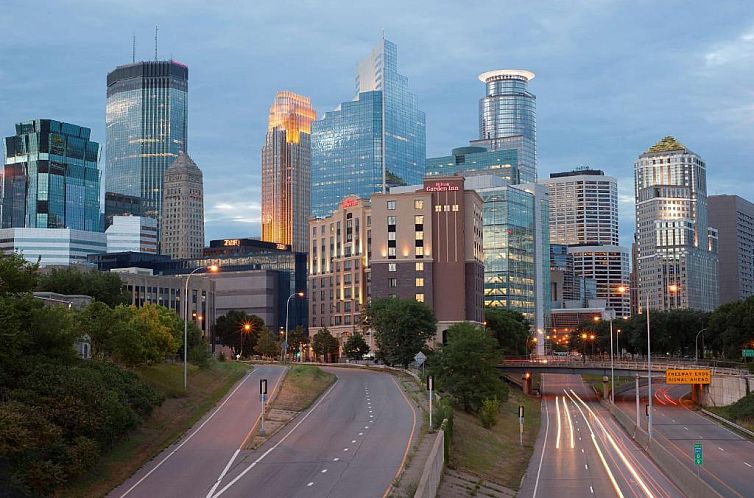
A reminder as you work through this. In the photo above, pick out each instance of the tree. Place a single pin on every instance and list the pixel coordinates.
(296, 340)
(401, 328)
(325, 345)
(509, 328)
(465, 367)
(239, 331)
(17, 276)
(267, 345)
(102, 286)
(356, 347)
(730, 327)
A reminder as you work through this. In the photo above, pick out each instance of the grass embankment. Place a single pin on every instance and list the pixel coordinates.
(495, 454)
(596, 381)
(165, 425)
(740, 412)
(302, 385)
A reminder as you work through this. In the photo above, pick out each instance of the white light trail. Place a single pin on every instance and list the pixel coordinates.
(570, 423)
(557, 406)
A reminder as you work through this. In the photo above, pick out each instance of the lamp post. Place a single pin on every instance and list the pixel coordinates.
(609, 315)
(696, 346)
(211, 269)
(287, 303)
(622, 289)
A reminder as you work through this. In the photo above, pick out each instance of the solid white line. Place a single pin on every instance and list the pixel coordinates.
(255, 462)
(544, 446)
(222, 474)
(188, 438)
(748, 465)
(557, 408)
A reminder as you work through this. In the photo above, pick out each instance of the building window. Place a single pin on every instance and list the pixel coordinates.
(392, 282)
(420, 266)
(391, 220)
(391, 236)
(455, 207)
(420, 282)
(391, 252)
(418, 204)
(391, 205)
(438, 208)
(419, 235)
(420, 298)
(419, 251)
(446, 207)
(418, 219)
(391, 267)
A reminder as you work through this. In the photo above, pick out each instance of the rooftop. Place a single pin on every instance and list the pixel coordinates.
(506, 74)
(667, 144)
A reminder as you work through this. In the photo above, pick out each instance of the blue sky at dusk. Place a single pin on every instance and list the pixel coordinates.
(612, 77)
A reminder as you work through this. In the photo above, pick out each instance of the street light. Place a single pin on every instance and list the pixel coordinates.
(287, 303)
(210, 269)
(696, 346)
(621, 290)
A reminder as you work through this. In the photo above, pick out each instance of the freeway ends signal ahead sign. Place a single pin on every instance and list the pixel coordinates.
(688, 376)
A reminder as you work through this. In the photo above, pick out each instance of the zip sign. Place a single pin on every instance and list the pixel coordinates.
(262, 386)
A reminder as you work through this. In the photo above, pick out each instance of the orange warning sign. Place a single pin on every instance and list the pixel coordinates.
(687, 376)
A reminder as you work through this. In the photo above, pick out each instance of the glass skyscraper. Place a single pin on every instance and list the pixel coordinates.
(146, 128)
(286, 171)
(51, 178)
(371, 143)
(470, 161)
(507, 117)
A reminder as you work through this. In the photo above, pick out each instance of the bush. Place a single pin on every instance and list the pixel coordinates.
(743, 409)
(488, 412)
(221, 357)
(443, 414)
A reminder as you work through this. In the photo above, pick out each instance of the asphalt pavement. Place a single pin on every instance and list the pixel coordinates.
(728, 458)
(350, 443)
(581, 451)
(191, 466)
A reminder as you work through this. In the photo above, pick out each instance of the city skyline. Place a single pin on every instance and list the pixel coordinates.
(604, 120)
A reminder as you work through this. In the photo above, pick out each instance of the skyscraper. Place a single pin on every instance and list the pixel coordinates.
(376, 141)
(677, 262)
(286, 171)
(507, 117)
(733, 217)
(146, 128)
(51, 179)
(182, 234)
(471, 161)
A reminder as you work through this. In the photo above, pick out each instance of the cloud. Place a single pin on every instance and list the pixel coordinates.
(737, 51)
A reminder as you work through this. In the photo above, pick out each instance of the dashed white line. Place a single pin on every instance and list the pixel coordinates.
(353, 440)
(361, 433)
(582, 450)
(591, 489)
(335, 459)
(324, 470)
(345, 449)
(366, 427)
(685, 428)
(310, 485)
(748, 465)
(586, 466)
(719, 448)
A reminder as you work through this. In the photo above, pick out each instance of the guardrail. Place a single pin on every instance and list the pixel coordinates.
(728, 422)
(657, 366)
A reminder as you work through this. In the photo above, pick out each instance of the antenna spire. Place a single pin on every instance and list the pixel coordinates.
(133, 50)
(155, 42)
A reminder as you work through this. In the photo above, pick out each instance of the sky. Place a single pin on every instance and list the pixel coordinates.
(612, 77)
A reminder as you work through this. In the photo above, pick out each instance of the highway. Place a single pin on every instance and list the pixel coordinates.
(728, 457)
(581, 451)
(190, 467)
(351, 443)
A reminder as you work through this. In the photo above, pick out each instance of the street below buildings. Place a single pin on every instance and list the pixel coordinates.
(728, 459)
(581, 451)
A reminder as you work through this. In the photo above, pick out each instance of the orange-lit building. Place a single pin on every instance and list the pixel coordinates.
(286, 171)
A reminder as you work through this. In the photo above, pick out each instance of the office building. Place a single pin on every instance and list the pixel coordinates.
(53, 246)
(427, 245)
(51, 179)
(132, 233)
(515, 246)
(182, 234)
(733, 217)
(286, 171)
(677, 265)
(507, 118)
(371, 143)
(121, 205)
(339, 271)
(583, 208)
(608, 267)
(146, 121)
(471, 161)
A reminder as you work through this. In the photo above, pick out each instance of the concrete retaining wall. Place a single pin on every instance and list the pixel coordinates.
(724, 390)
(432, 472)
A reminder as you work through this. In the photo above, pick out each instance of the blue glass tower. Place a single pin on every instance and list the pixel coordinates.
(507, 117)
(146, 128)
(471, 161)
(51, 178)
(376, 141)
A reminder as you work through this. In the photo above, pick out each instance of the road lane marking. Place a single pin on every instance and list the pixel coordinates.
(685, 428)
(544, 446)
(190, 436)
(335, 459)
(222, 474)
(591, 489)
(719, 448)
(366, 427)
(570, 423)
(324, 470)
(586, 467)
(353, 440)
(255, 462)
(748, 465)
(582, 450)
(345, 449)
(310, 484)
(361, 433)
(557, 408)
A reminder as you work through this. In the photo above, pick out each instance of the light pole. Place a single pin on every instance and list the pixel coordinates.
(609, 315)
(211, 269)
(696, 346)
(287, 303)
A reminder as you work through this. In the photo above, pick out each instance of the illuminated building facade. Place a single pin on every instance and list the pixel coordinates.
(146, 121)
(182, 234)
(507, 117)
(286, 171)
(374, 142)
(676, 249)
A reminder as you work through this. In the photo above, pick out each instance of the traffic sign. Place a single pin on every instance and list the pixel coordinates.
(688, 376)
(698, 458)
(430, 383)
(520, 411)
(420, 358)
(262, 386)
(747, 353)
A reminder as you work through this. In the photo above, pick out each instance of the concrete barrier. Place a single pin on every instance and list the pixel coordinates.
(432, 472)
(724, 391)
(683, 477)
(728, 422)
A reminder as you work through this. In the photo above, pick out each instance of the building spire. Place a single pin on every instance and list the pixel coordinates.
(155, 42)
(133, 50)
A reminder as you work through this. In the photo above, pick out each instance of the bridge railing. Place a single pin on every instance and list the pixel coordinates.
(657, 366)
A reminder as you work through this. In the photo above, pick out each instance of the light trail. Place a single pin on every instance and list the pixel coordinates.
(599, 451)
(557, 407)
(609, 437)
(570, 423)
